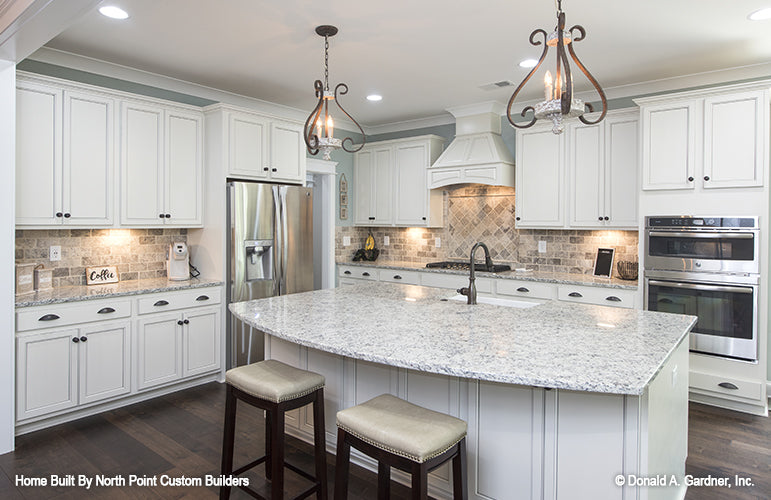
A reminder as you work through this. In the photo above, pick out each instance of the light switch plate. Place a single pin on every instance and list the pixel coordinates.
(55, 253)
(541, 247)
(386, 241)
(438, 242)
(346, 241)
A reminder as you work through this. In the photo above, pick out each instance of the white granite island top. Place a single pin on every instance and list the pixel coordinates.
(556, 345)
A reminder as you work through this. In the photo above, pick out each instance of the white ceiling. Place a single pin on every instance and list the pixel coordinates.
(423, 56)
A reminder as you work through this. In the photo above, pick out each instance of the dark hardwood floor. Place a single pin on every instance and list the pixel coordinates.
(180, 435)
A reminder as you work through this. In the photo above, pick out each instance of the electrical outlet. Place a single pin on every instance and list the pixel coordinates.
(438, 242)
(346, 241)
(386, 241)
(55, 253)
(541, 247)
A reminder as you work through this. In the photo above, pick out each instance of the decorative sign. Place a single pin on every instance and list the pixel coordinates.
(343, 197)
(101, 275)
(603, 265)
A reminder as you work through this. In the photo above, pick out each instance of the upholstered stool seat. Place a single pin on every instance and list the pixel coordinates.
(402, 435)
(276, 388)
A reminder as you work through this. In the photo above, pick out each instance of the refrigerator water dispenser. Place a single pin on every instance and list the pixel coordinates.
(259, 259)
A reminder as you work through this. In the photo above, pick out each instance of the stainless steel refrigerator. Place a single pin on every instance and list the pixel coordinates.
(270, 252)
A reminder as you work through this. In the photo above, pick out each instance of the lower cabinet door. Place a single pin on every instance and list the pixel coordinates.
(46, 373)
(159, 350)
(104, 361)
(201, 342)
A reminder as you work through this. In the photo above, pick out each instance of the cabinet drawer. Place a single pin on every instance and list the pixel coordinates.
(34, 318)
(362, 273)
(736, 388)
(523, 289)
(400, 276)
(169, 301)
(438, 280)
(601, 296)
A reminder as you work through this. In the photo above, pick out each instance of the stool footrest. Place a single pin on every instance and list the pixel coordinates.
(248, 466)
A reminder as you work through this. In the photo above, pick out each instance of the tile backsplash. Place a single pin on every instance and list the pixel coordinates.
(486, 213)
(137, 253)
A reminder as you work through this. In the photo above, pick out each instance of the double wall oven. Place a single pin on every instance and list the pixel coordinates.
(707, 267)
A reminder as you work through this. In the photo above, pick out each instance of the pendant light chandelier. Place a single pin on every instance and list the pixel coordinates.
(319, 130)
(559, 102)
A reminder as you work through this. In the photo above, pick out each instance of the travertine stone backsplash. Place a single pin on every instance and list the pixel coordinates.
(485, 213)
(137, 253)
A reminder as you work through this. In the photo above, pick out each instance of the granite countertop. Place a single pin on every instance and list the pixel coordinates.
(558, 345)
(90, 292)
(541, 276)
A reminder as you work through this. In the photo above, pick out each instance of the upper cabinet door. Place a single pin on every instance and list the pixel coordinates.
(38, 154)
(587, 200)
(735, 134)
(184, 168)
(382, 189)
(669, 143)
(362, 187)
(287, 152)
(142, 165)
(410, 201)
(540, 179)
(88, 166)
(621, 172)
(248, 141)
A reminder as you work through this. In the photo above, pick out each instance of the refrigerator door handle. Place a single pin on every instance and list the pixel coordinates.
(284, 245)
(278, 246)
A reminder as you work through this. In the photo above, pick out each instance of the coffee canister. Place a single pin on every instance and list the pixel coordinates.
(44, 278)
(24, 278)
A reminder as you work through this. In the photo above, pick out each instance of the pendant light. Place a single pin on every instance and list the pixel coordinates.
(319, 127)
(559, 102)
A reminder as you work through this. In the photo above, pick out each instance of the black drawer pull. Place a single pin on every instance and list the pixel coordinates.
(613, 298)
(83, 339)
(397, 277)
(575, 294)
(265, 169)
(202, 298)
(75, 339)
(346, 272)
(161, 303)
(690, 179)
(371, 218)
(274, 170)
(105, 310)
(523, 289)
(179, 322)
(59, 214)
(48, 317)
(728, 385)
(365, 274)
(187, 321)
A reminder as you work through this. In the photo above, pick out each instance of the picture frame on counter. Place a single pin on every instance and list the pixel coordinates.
(101, 275)
(603, 263)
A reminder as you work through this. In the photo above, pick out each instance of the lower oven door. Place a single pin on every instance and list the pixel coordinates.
(727, 312)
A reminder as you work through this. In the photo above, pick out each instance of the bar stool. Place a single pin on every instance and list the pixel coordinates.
(401, 435)
(276, 388)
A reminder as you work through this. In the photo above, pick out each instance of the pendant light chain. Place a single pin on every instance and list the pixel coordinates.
(326, 62)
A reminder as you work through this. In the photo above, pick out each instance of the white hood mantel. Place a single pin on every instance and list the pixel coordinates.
(477, 154)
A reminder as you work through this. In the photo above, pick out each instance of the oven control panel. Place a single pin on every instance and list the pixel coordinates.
(690, 222)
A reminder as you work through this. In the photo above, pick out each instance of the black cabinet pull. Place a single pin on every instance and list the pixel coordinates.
(371, 218)
(728, 385)
(365, 274)
(202, 298)
(179, 322)
(265, 169)
(59, 214)
(75, 339)
(83, 339)
(575, 294)
(397, 277)
(346, 272)
(187, 321)
(706, 177)
(67, 215)
(168, 216)
(606, 217)
(599, 218)
(523, 289)
(274, 170)
(48, 317)
(424, 218)
(518, 218)
(161, 303)
(690, 179)
(105, 310)
(613, 298)
(161, 216)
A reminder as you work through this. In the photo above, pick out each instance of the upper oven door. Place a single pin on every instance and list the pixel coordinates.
(702, 250)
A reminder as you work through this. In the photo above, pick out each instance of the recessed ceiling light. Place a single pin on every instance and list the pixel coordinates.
(374, 97)
(113, 12)
(528, 63)
(761, 15)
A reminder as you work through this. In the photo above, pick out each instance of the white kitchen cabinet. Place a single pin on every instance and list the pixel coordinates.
(540, 179)
(714, 138)
(257, 147)
(65, 156)
(61, 369)
(161, 165)
(390, 183)
(603, 173)
(601, 296)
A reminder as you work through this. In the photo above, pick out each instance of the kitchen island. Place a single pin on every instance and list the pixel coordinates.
(560, 398)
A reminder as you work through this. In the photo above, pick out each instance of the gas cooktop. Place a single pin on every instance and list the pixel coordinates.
(464, 266)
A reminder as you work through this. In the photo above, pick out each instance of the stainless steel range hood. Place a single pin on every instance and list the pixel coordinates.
(477, 154)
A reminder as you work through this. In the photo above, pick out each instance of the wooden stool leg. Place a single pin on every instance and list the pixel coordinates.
(268, 454)
(277, 455)
(320, 444)
(459, 485)
(419, 482)
(228, 439)
(383, 481)
(341, 465)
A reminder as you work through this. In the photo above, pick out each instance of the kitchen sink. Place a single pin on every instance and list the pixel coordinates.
(497, 301)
